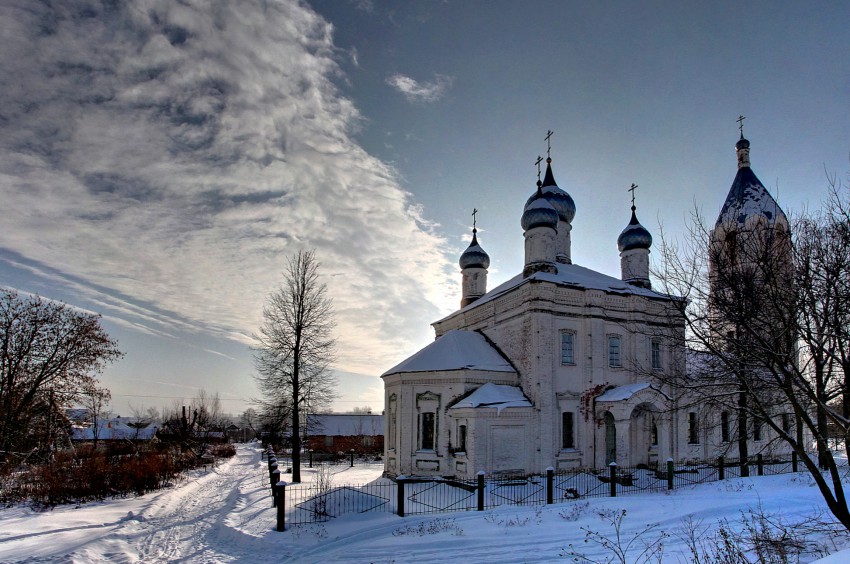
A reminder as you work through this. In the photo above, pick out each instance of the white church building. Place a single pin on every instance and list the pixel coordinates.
(555, 367)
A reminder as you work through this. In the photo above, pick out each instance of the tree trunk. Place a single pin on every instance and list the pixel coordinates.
(743, 452)
(822, 420)
(296, 415)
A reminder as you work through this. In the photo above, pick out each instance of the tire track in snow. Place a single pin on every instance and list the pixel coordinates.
(191, 524)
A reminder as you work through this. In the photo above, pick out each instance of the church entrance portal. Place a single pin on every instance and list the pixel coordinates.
(643, 436)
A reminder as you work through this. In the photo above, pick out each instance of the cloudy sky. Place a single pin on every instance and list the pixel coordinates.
(160, 160)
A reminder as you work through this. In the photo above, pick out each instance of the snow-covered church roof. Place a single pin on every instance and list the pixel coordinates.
(571, 275)
(748, 197)
(455, 350)
(494, 395)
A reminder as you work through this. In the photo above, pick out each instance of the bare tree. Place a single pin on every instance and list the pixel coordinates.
(49, 356)
(142, 419)
(295, 348)
(95, 400)
(765, 315)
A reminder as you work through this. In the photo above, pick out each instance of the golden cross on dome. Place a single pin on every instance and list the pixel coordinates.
(537, 162)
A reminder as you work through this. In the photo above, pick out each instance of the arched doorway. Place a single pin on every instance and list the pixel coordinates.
(610, 438)
(643, 435)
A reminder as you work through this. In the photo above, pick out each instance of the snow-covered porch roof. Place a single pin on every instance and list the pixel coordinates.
(497, 396)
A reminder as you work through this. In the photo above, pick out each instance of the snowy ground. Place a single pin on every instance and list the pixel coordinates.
(225, 515)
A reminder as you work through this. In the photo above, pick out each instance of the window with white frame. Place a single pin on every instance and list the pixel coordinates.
(393, 421)
(655, 353)
(614, 347)
(427, 428)
(567, 347)
(461, 438)
(568, 431)
(757, 428)
(428, 404)
(786, 422)
(693, 428)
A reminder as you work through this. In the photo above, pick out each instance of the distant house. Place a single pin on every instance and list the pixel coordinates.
(236, 434)
(115, 428)
(342, 432)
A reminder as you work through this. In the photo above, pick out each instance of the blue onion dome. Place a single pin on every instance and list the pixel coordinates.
(539, 213)
(474, 256)
(742, 144)
(560, 199)
(634, 236)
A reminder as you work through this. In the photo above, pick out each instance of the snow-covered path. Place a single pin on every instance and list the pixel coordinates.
(201, 520)
(225, 515)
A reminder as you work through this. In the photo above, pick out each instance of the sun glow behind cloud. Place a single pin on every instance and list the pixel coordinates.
(164, 160)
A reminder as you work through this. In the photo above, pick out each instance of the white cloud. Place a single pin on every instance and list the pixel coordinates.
(165, 160)
(424, 92)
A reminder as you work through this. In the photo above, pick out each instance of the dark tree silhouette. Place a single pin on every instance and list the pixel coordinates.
(295, 349)
(50, 354)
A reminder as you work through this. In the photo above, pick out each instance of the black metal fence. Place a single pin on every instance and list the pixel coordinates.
(302, 504)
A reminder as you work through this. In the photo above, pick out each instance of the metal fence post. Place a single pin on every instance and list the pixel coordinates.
(669, 473)
(281, 505)
(794, 461)
(274, 478)
(400, 498)
(351, 452)
(721, 468)
(550, 482)
(480, 490)
(612, 474)
(760, 462)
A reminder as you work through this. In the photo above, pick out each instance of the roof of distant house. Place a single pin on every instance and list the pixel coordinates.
(345, 424)
(115, 428)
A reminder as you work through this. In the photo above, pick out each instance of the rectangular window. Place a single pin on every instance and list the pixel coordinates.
(427, 421)
(567, 341)
(655, 349)
(329, 441)
(757, 427)
(693, 429)
(393, 423)
(568, 437)
(786, 422)
(614, 351)
(724, 426)
(654, 434)
(461, 438)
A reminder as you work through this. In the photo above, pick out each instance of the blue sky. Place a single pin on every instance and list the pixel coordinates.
(161, 160)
